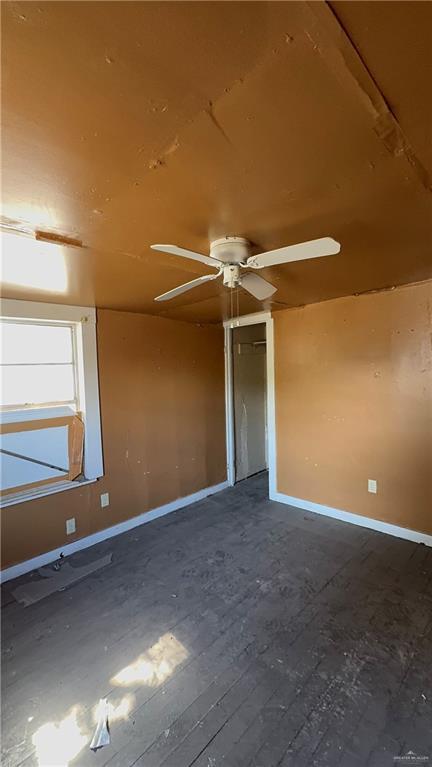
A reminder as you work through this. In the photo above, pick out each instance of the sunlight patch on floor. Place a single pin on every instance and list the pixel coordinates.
(116, 710)
(153, 666)
(57, 744)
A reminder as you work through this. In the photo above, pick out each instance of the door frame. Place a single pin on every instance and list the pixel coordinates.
(257, 318)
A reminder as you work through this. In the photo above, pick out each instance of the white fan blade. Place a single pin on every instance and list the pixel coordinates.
(187, 286)
(325, 246)
(258, 287)
(176, 251)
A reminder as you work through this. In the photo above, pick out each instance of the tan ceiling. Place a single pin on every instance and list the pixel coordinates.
(128, 123)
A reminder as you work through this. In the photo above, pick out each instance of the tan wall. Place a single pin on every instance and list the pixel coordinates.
(354, 401)
(162, 407)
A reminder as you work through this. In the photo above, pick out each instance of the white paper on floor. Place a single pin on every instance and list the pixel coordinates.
(101, 735)
(34, 591)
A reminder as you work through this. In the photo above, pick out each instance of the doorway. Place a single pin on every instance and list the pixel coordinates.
(250, 400)
(249, 389)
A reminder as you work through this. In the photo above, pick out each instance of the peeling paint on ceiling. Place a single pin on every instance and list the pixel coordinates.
(126, 124)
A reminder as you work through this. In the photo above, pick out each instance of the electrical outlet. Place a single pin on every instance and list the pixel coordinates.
(372, 486)
(104, 499)
(70, 526)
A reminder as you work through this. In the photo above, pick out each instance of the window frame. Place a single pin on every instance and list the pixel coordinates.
(83, 320)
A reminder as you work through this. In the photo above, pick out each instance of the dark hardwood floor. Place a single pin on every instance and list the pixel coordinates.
(235, 632)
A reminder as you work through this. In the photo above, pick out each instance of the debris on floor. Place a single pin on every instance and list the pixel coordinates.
(46, 572)
(56, 580)
(101, 735)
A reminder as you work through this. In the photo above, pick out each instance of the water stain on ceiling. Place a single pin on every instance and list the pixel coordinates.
(126, 124)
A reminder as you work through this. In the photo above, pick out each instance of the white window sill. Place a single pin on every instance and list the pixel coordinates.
(31, 494)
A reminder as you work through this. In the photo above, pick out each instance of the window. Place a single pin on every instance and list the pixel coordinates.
(38, 365)
(48, 381)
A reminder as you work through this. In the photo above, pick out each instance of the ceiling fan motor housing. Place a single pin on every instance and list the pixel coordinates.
(230, 250)
(231, 275)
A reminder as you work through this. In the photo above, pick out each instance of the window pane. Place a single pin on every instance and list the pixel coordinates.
(23, 343)
(36, 384)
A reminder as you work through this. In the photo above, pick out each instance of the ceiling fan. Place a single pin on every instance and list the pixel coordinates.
(230, 256)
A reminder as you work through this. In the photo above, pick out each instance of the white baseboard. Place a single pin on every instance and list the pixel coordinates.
(110, 532)
(354, 519)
